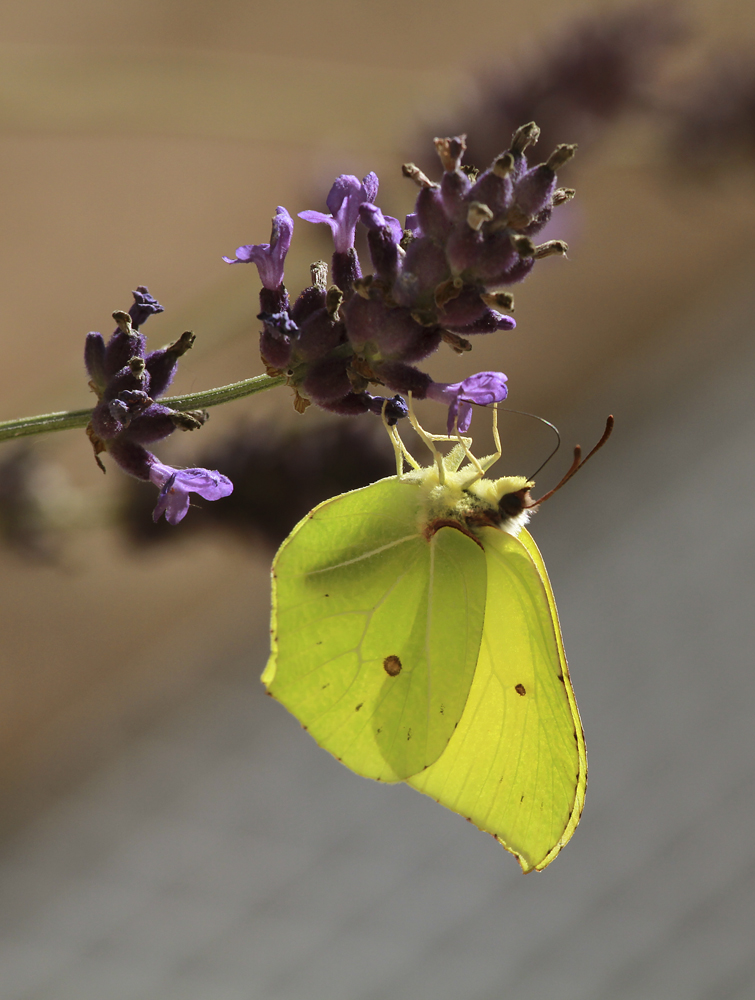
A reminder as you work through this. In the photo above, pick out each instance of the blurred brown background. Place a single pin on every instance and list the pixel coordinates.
(140, 142)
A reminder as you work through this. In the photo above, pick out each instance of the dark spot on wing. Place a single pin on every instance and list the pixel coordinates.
(392, 665)
(408, 734)
(325, 686)
(319, 642)
(520, 689)
(442, 710)
(326, 595)
(359, 706)
(379, 730)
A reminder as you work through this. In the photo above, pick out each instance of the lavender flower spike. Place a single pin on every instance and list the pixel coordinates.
(269, 257)
(176, 484)
(343, 200)
(483, 388)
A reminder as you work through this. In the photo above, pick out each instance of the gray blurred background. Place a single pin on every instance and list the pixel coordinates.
(167, 830)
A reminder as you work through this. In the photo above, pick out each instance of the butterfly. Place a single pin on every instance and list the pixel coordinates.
(415, 636)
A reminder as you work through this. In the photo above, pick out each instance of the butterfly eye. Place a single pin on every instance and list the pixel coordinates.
(512, 504)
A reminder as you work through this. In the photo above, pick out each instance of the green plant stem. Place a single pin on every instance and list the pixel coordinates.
(66, 420)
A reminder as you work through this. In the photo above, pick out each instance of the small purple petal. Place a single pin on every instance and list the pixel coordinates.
(176, 484)
(412, 224)
(483, 388)
(269, 257)
(373, 218)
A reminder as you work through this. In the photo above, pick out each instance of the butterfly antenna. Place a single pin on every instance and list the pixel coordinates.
(577, 463)
(534, 416)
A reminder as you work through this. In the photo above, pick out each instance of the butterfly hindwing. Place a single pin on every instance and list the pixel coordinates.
(516, 765)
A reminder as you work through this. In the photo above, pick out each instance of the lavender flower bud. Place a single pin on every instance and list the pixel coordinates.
(404, 378)
(275, 339)
(355, 403)
(126, 343)
(94, 359)
(390, 332)
(154, 424)
(534, 189)
(346, 269)
(424, 268)
(490, 322)
(318, 336)
(162, 364)
(393, 409)
(494, 190)
(308, 302)
(327, 380)
(383, 237)
(431, 215)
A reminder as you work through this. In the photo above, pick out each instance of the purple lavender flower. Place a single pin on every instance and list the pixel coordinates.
(127, 417)
(439, 280)
(269, 257)
(594, 69)
(344, 200)
(176, 484)
(483, 388)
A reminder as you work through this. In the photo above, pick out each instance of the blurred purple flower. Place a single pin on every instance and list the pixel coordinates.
(594, 69)
(483, 388)
(176, 484)
(269, 257)
(712, 116)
